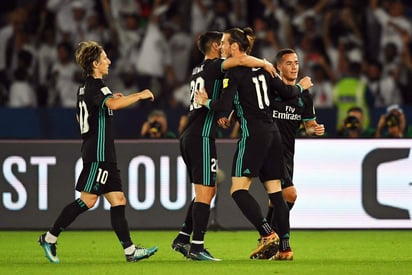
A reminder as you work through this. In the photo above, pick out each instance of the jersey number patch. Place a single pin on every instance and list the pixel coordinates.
(195, 85)
(102, 176)
(261, 87)
(83, 117)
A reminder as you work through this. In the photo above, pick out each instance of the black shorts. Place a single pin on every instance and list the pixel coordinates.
(288, 158)
(274, 165)
(99, 178)
(259, 155)
(199, 155)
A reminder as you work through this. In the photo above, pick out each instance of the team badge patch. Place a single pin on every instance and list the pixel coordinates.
(225, 82)
(105, 91)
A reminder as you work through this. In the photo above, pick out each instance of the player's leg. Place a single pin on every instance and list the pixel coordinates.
(281, 217)
(251, 210)
(200, 215)
(203, 164)
(247, 162)
(181, 242)
(248, 204)
(289, 194)
(120, 226)
(272, 220)
(288, 189)
(112, 190)
(272, 172)
(48, 240)
(69, 213)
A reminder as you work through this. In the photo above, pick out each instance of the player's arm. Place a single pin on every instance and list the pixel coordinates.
(249, 61)
(290, 91)
(119, 101)
(312, 128)
(222, 104)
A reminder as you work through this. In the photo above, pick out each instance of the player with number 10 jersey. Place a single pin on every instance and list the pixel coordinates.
(95, 121)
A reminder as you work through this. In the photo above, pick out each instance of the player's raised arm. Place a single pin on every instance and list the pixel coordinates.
(119, 102)
(249, 61)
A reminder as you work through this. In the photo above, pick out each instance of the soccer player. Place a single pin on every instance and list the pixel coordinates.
(100, 175)
(197, 143)
(259, 148)
(289, 114)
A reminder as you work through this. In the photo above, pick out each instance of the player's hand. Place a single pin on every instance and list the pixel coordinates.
(319, 130)
(306, 83)
(146, 94)
(223, 122)
(201, 97)
(315, 129)
(269, 68)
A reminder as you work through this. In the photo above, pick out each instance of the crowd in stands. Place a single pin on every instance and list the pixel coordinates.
(358, 52)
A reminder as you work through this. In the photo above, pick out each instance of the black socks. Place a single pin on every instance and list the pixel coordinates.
(120, 225)
(67, 216)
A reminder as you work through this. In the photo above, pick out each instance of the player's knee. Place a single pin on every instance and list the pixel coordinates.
(204, 194)
(289, 194)
(90, 201)
(292, 197)
(119, 200)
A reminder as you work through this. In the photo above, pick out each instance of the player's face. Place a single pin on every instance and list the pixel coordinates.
(225, 46)
(220, 49)
(289, 67)
(102, 66)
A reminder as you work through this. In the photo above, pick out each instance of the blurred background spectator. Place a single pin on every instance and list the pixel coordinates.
(156, 126)
(392, 124)
(358, 52)
(354, 125)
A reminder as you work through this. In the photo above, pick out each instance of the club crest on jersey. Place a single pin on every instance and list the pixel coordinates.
(225, 82)
(105, 91)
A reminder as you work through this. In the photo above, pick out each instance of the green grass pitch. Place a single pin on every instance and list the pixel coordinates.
(316, 252)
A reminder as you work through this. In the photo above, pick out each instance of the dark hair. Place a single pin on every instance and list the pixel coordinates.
(205, 40)
(354, 109)
(20, 74)
(86, 53)
(281, 53)
(375, 63)
(251, 37)
(355, 68)
(245, 38)
(25, 57)
(65, 46)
